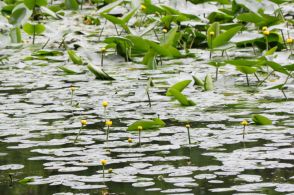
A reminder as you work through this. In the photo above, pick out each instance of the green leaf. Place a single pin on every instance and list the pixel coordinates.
(47, 53)
(244, 62)
(180, 86)
(261, 120)
(67, 70)
(74, 57)
(147, 124)
(277, 67)
(15, 35)
(198, 81)
(128, 16)
(31, 4)
(32, 29)
(71, 4)
(289, 67)
(49, 12)
(246, 69)
(184, 101)
(170, 37)
(208, 83)
(250, 17)
(149, 59)
(109, 7)
(271, 51)
(20, 15)
(225, 37)
(215, 28)
(99, 73)
(280, 87)
(26, 180)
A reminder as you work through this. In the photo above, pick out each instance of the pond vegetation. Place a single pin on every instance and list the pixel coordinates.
(147, 97)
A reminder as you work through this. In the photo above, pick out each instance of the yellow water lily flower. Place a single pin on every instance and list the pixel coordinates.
(108, 123)
(103, 162)
(84, 122)
(244, 123)
(289, 41)
(266, 32)
(104, 104)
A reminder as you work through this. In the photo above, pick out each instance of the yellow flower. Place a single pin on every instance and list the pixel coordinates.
(143, 7)
(103, 162)
(140, 128)
(289, 41)
(266, 32)
(211, 33)
(103, 49)
(72, 88)
(130, 140)
(264, 28)
(110, 170)
(108, 123)
(164, 30)
(188, 126)
(104, 104)
(83, 122)
(244, 123)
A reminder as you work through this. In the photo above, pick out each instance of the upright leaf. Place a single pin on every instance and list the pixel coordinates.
(208, 83)
(31, 4)
(225, 37)
(74, 57)
(184, 101)
(15, 35)
(71, 4)
(215, 29)
(180, 86)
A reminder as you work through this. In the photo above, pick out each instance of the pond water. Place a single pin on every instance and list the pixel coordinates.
(39, 124)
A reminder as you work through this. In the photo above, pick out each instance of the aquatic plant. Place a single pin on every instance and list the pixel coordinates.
(188, 131)
(108, 124)
(140, 128)
(103, 163)
(105, 104)
(244, 123)
(83, 124)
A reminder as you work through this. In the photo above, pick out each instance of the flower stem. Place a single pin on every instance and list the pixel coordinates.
(102, 57)
(107, 133)
(267, 46)
(140, 138)
(188, 129)
(247, 79)
(244, 131)
(78, 134)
